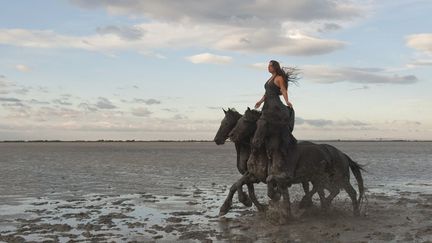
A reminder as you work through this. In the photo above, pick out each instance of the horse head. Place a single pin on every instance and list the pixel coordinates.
(245, 126)
(227, 124)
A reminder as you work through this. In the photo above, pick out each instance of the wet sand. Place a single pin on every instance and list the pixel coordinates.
(165, 192)
(192, 215)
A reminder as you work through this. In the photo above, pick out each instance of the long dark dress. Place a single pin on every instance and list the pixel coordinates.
(274, 111)
(279, 122)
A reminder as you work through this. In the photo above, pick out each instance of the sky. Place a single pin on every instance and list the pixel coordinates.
(164, 69)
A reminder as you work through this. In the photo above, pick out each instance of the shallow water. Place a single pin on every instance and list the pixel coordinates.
(35, 169)
(141, 186)
(38, 169)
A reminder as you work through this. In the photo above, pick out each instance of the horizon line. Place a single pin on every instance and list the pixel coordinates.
(198, 140)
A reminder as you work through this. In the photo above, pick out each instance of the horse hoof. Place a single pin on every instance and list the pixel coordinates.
(243, 198)
(223, 211)
(262, 208)
(247, 202)
(305, 204)
(356, 213)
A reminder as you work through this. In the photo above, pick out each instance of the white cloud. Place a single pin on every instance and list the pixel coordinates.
(22, 68)
(421, 42)
(291, 28)
(176, 35)
(329, 123)
(146, 101)
(104, 103)
(276, 42)
(229, 11)
(420, 63)
(142, 111)
(259, 66)
(4, 82)
(209, 58)
(326, 74)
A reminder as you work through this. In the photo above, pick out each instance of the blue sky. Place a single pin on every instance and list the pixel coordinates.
(148, 70)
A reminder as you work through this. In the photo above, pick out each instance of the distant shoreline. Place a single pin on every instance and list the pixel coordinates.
(189, 141)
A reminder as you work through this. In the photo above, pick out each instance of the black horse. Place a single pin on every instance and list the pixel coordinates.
(243, 152)
(323, 165)
(257, 161)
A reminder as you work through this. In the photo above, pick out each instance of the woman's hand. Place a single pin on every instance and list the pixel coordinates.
(289, 104)
(258, 104)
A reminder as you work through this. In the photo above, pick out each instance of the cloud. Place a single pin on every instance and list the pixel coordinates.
(259, 66)
(47, 113)
(265, 27)
(179, 117)
(228, 11)
(22, 91)
(87, 107)
(274, 41)
(421, 42)
(142, 111)
(104, 103)
(125, 32)
(4, 82)
(22, 68)
(420, 63)
(209, 58)
(61, 102)
(9, 99)
(38, 102)
(325, 74)
(364, 87)
(170, 110)
(328, 27)
(215, 107)
(175, 35)
(325, 123)
(146, 101)
(405, 122)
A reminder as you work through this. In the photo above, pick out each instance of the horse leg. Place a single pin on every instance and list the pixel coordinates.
(307, 198)
(243, 197)
(286, 206)
(242, 166)
(252, 195)
(273, 191)
(353, 195)
(226, 206)
(323, 201)
(334, 191)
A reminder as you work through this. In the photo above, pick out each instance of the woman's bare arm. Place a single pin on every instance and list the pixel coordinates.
(284, 90)
(258, 104)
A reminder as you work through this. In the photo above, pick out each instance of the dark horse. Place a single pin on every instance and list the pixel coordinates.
(258, 163)
(323, 165)
(243, 151)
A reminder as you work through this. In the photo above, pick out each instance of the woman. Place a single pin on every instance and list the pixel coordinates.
(274, 110)
(279, 79)
(276, 124)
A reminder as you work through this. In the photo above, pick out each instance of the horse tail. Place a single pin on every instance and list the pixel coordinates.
(356, 170)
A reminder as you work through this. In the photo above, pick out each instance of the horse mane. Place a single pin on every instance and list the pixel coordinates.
(252, 115)
(231, 112)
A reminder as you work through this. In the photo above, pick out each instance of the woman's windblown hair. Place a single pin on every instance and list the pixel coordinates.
(289, 74)
(292, 74)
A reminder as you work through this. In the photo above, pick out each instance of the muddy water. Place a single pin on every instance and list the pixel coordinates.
(171, 191)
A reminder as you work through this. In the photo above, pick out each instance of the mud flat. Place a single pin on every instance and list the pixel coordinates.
(192, 215)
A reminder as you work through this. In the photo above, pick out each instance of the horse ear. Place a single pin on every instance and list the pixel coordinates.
(224, 111)
(248, 108)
